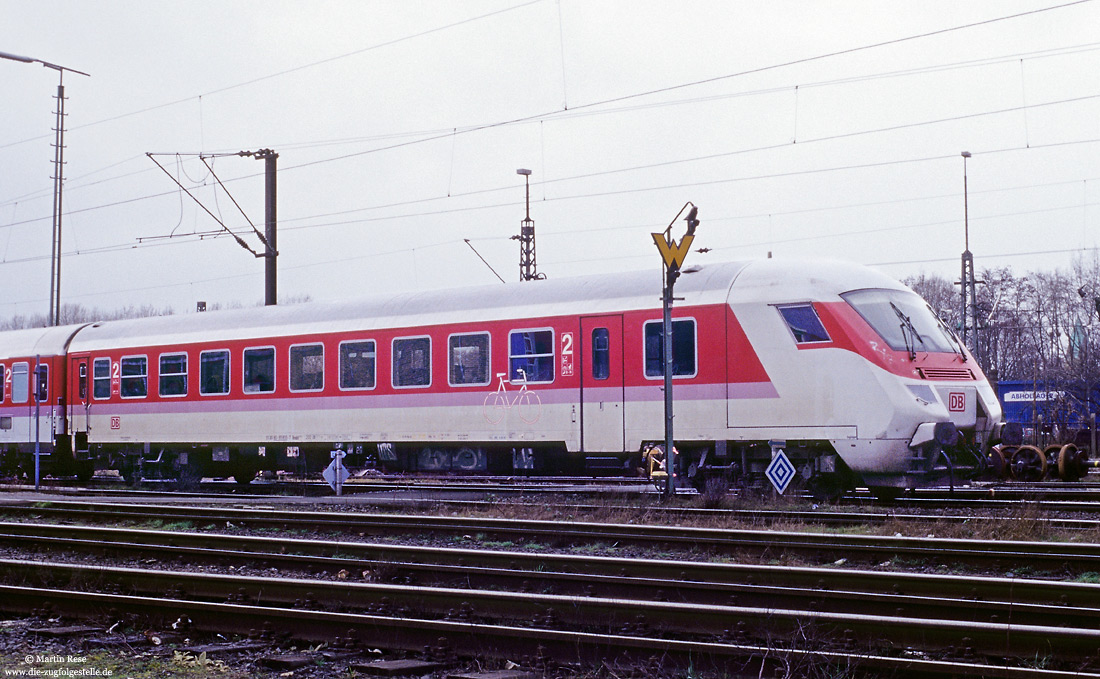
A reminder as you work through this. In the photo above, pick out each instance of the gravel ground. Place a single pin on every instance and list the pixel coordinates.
(24, 653)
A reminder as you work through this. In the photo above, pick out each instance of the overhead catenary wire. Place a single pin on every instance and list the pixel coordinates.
(591, 175)
(586, 109)
(129, 246)
(288, 71)
(574, 112)
(74, 182)
(239, 240)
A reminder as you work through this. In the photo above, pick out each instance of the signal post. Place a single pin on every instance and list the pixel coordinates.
(673, 254)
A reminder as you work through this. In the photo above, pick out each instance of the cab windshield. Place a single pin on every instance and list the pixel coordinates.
(903, 319)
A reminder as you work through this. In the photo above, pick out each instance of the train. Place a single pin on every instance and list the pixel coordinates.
(842, 369)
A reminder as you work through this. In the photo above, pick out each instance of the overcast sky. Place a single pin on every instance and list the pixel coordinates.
(800, 128)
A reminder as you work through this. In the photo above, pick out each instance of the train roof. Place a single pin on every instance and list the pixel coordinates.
(33, 342)
(584, 295)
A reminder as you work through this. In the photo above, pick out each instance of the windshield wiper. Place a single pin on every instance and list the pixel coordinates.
(912, 336)
(952, 338)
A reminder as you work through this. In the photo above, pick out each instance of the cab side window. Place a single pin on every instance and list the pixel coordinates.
(804, 324)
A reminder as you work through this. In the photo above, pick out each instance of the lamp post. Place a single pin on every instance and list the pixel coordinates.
(54, 315)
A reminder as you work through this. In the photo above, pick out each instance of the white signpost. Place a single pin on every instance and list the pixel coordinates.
(780, 471)
(336, 473)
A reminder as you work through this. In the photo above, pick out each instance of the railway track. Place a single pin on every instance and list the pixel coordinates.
(1081, 496)
(956, 636)
(539, 646)
(1067, 557)
(973, 598)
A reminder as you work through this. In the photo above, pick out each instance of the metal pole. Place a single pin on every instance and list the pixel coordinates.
(37, 427)
(670, 450)
(969, 307)
(528, 267)
(55, 228)
(54, 315)
(59, 182)
(271, 254)
(673, 255)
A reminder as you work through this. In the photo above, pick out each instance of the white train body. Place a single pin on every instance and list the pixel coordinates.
(556, 376)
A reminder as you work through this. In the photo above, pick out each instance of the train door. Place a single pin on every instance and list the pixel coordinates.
(78, 399)
(602, 384)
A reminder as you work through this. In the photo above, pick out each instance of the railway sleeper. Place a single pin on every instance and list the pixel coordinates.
(665, 623)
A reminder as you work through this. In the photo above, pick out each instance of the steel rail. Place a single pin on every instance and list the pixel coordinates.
(933, 605)
(496, 567)
(476, 639)
(1008, 509)
(1057, 556)
(585, 614)
(1051, 498)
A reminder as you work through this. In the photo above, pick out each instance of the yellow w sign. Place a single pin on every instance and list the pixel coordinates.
(673, 252)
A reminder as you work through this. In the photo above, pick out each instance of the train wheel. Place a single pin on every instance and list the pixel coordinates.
(886, 493)
(1073, 463)
(997, 466)
(85, 472)
(187, 476)
(826, 487)
(244, 475)
(129, 468)
(1028, 464)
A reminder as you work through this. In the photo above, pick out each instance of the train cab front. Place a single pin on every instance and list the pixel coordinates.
(941, 400)
(954, 445)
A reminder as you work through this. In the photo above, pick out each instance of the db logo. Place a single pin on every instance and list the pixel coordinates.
(116, 422)
(956, 402)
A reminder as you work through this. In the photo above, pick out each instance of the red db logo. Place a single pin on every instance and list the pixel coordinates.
(116, 423)
(956, 402)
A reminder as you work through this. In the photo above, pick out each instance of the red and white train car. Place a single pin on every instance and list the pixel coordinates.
(846, 369)
(33, 413)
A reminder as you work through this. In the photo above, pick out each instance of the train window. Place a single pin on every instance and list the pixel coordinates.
(804, 324)
(3, 377)
(173, 375)
(412, 362)
(82, 382)
(903, 319)
(20, 382)
(214, 372)
(307, 367)
(683, 348)
(531, 356)
(135, 376)
(601, 354)
(357, 364)
(5, 423)
(468, 358)
(43, 383)
(259, 370)
(101, 378)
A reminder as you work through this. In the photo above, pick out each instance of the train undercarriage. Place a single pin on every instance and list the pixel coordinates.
(712, 468)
